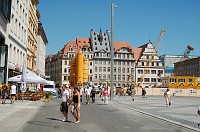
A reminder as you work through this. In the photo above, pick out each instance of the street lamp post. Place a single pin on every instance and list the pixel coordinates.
(112, 51)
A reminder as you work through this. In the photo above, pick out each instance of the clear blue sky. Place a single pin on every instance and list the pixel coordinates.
(136, 21)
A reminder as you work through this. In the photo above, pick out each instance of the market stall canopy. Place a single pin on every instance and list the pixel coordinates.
(30, 78)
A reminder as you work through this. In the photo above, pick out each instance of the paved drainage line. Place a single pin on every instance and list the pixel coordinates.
(158, 117)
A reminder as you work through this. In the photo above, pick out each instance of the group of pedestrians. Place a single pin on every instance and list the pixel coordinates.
(6, 92)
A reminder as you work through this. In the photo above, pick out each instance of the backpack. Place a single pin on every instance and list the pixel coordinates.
(93, 90)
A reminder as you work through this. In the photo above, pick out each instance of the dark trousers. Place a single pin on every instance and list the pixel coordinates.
(93, 98)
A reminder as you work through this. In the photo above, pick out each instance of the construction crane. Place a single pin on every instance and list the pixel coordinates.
(177, 68)
(138, 84)
(186, 53)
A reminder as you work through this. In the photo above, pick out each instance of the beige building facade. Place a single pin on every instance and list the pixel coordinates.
(34, 16)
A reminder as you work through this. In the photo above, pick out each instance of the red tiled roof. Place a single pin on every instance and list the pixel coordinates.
(82, 41)
(119, 45)
(137, 53)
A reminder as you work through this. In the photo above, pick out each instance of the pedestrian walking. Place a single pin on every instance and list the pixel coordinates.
(87, 92)
(105, 94)
(81, 93)
(93, 92)
(167, 97)
(4, 93)
(76, 105)
(13, 91)
(122, 92)
(144, 93)
(65, 103)
(133, 92)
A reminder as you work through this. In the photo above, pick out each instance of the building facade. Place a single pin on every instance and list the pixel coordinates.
(41, 51)
(34, 16)
(154, 72)
(168, 61)
(17, 36)
(189, 67)
(5, 11)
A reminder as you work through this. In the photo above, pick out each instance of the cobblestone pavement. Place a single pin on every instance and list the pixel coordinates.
(13, 116)
(183, 110)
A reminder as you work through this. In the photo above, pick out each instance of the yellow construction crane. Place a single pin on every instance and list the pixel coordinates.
(140, 81)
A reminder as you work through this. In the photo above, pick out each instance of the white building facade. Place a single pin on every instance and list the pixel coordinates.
(17, 36)
(41, 51)
(155, 70)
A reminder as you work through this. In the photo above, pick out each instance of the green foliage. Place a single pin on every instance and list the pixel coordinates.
(48, 94)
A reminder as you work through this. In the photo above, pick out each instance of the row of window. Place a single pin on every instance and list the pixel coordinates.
(15, 55)
(141, 71)
(18, 29)
(119, 69)
(152, 64)
(107, 62)
(150, 79)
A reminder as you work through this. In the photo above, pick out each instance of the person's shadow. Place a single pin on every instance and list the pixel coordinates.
(54, 119)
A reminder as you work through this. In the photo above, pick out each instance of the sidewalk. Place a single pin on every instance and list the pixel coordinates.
(13, 116)
(183, 110)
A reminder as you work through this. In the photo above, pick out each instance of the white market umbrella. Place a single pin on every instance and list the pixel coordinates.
(23, 77)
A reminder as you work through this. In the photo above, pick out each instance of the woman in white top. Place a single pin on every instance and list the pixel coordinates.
(13, 93)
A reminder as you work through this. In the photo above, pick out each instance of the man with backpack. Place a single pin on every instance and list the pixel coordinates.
(93, 92)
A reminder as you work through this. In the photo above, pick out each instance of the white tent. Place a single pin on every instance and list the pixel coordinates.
(30, 78)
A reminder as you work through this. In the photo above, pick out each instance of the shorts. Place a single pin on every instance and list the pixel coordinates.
(4, 95)
(64, 107)
(13, 95)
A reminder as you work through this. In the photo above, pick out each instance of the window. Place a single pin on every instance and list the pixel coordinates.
(100, 62)
(119, 62)
(173, 80)
(108, 69)
(127, 70)
(146, 80)
(96, 61)
(65, 70)
(119, 55)
(95, 76)
(104, 69)
(65, 77)
(119, 77)
(65, 62)
(108, 76)
(96, 68)
(90, 63)
(114, 69)
(123, 77)
(119, 69)
(140, 71)
(104, 76)
(153, 79)
(90, 70)
(153, 71)
(123, 69)
(132, 70)
(100, 69)
(100, 76)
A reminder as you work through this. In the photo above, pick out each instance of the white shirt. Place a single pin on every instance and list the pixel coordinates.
(13, 89)
(87, 91)
(81, 91)
(65, 96)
